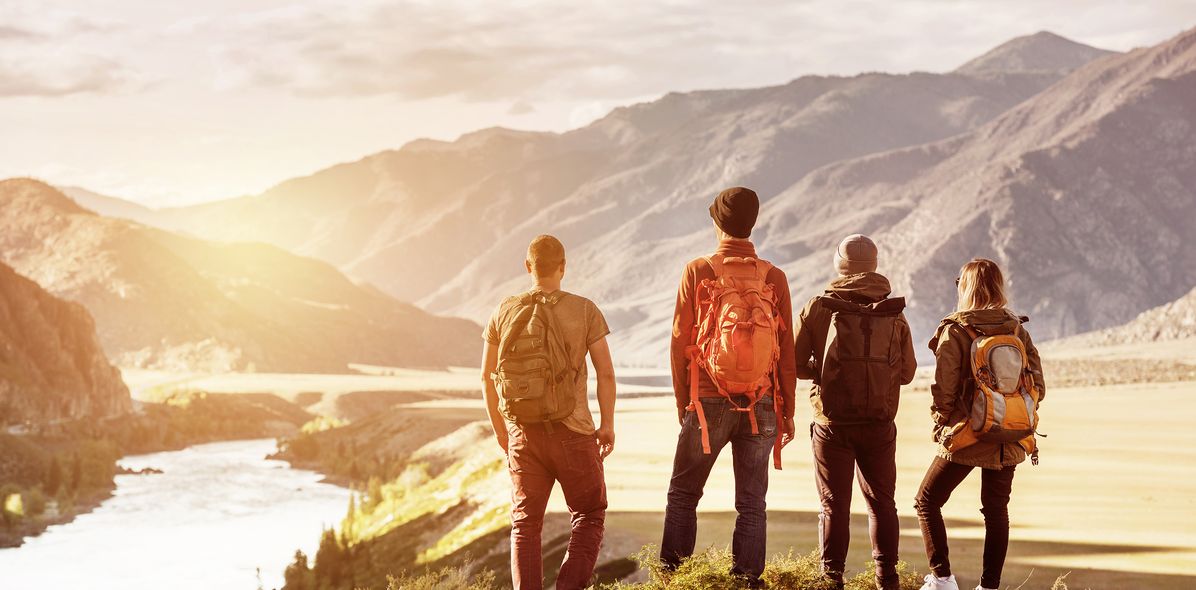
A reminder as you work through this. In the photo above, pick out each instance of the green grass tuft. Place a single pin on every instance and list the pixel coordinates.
(712, 570)
(449, 578)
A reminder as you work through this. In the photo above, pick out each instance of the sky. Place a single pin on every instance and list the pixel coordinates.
(172, 103)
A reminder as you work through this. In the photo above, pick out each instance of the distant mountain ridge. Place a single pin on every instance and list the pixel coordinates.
(1083, 194)
(1171, 321)
(162, 300)
(51, 365)
(445, 223)
(1043, 51)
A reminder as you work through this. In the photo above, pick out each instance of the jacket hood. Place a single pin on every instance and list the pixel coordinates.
(989, 322)
(864, 287)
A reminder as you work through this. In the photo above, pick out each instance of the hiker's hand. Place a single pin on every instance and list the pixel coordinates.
(503, 439)
(790, 431)
(606, 440)
(681, 416)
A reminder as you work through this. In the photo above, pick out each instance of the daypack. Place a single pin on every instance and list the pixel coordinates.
(860, 359)
(735, 335)
(1004, 405)
(535, 379)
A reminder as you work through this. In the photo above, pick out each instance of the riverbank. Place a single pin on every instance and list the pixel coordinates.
(66, 469)
(218, 514)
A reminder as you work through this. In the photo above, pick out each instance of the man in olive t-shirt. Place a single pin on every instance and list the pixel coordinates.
(570, 451)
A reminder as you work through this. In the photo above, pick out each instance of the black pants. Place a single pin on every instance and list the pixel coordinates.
(841, 452)
(995, 485)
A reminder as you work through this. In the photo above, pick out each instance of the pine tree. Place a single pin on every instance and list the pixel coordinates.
(330, 559)
(53, 476)
(298, 576)
(77, 473)
(374, 493)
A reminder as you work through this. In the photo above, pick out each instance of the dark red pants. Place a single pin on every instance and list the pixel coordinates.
(537, 458)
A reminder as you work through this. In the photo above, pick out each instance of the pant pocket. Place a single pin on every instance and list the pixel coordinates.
(766, 417)
(581, 454)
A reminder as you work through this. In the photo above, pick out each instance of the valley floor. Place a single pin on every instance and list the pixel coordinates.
(1113, 502)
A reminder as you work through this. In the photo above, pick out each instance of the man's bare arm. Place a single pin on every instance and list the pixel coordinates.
(605, 372)
(490, 393)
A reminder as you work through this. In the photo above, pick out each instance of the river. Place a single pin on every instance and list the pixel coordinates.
(216, 514)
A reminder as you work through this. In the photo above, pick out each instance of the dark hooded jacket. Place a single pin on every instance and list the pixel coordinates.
(952, 391)
(814, 323)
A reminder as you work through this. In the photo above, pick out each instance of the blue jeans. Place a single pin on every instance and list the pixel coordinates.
(691, 468)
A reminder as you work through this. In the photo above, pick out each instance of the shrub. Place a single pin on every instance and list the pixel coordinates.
(444, 579)
(712, 570)
(35, 502)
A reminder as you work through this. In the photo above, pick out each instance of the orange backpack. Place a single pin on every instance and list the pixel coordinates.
(735, 335)
(1004, 406)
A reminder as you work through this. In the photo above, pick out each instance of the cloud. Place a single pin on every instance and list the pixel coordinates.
(9, 32)
(49, 53)
(59, 79)
(538, 50)
(521, 108)
(479, 52)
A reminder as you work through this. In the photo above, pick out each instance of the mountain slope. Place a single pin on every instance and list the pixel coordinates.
(51, 366)
(109, 206)
(1083, 194)
(410, 219)
(168, 301)
(1171, 321)
(1041, 52)
(446, 224)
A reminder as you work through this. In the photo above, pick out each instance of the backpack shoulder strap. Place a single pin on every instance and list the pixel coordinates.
(517, 326)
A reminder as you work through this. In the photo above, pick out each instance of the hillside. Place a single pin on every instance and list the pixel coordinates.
(162, 300)
(51, 366)
(1083, 194)
(444, 224)
(1043, 51)
(1168, 322)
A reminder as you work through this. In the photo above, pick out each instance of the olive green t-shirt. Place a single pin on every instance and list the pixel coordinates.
(581, 325)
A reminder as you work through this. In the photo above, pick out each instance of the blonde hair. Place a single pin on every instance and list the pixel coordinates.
(981, 286)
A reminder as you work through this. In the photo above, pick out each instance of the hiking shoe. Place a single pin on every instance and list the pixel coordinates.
(979, 587)
(934, 582)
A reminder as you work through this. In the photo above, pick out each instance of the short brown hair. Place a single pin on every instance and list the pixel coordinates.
(545, 254)
(981, 286)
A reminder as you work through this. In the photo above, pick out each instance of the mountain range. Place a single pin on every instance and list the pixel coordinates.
(1069, 165)
(51, 364)
(162, 300)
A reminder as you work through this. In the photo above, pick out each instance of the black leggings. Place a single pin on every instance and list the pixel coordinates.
(995, 485)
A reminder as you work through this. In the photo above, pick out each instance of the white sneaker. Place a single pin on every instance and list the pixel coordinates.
(979, 587)
(934, 582)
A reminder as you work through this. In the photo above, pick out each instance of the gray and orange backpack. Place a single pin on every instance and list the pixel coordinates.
(1004, 396)
(735, 339)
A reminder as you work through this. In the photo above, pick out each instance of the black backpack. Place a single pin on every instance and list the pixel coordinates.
(859, 362)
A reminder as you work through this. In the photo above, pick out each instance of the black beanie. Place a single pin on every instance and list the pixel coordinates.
(734, 211)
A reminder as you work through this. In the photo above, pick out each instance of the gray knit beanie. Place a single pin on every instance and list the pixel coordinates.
(856, 254)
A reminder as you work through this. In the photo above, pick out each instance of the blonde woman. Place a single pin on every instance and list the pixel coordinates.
(981, 312)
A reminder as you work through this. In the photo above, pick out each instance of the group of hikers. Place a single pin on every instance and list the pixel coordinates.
(736, 356)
